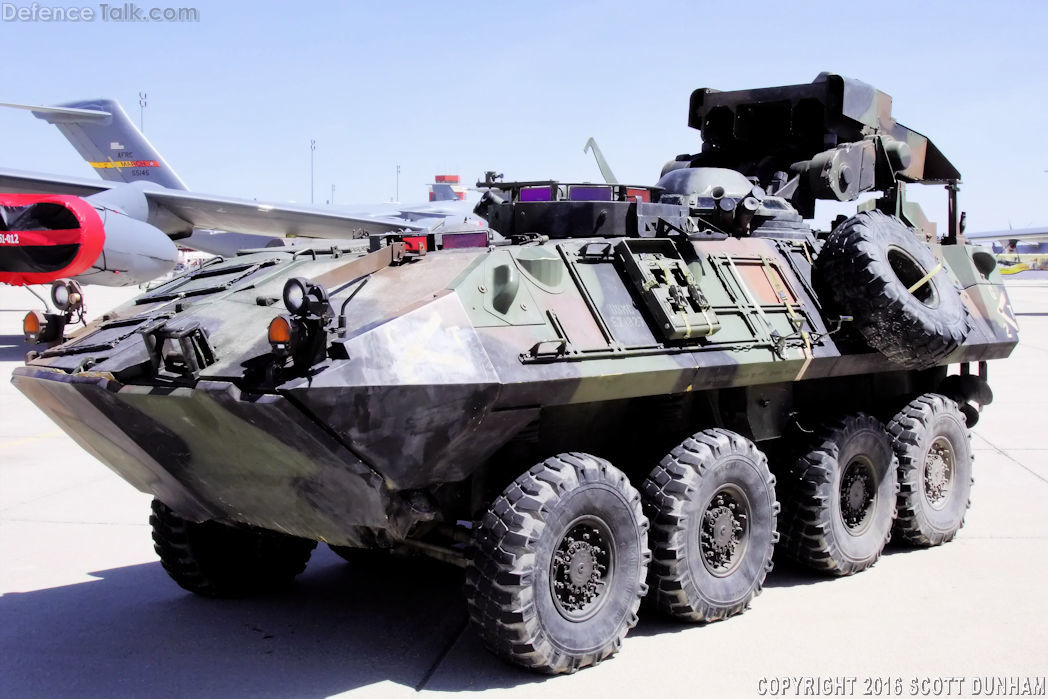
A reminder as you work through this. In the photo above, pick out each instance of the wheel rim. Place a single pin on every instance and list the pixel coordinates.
(858, 495)
(724, 531)
(910, 272)
(939, 469)
(582, 568)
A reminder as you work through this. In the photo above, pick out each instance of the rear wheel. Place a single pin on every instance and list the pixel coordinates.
(558, 565)
(712, 505)
(931, 441)
(839, 497)
(217, 560)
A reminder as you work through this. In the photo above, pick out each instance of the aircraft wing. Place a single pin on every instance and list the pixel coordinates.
(218, 212)
(21, 182)
(1025, 235)
(436, 209)
(264, 218)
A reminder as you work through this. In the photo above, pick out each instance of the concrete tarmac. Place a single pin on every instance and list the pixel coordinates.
(87, 610)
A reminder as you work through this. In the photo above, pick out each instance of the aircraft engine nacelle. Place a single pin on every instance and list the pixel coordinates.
(45, 237)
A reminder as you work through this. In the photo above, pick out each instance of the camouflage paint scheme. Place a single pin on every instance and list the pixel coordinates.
(444, 375)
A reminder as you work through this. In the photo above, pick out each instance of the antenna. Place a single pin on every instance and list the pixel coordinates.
(142, 103)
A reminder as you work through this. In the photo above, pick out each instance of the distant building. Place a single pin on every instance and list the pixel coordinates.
(446, 188)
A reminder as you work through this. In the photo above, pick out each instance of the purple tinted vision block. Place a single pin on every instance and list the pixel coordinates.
(535, 194)
(590, 194)
(466, 240)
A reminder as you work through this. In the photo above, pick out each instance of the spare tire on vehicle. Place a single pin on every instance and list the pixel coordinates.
(905, 303)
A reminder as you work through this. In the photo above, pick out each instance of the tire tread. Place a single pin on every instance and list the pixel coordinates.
(498, 595)
(666, 494)
(905, 430)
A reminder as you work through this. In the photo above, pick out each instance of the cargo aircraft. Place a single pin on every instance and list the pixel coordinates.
(122, 230)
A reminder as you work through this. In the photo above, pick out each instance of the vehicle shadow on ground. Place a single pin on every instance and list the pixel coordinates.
(341, 627)
(788, 573)
(134, 632)
(13, 348)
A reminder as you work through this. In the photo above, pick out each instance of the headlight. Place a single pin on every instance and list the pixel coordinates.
(67, 295)
(296, 292)
(304, 298)
(301, 332)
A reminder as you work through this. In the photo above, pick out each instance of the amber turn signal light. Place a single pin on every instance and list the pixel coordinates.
(283, 334)
(32, 324)
(280, 330)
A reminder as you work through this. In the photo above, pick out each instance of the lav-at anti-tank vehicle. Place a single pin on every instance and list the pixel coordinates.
(607, 393)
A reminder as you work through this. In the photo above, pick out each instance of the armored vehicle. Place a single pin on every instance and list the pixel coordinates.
(606, 393)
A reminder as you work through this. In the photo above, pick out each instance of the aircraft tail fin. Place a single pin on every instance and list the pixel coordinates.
(108, 140)
(605, 169)
(446, 188)
(443, 192)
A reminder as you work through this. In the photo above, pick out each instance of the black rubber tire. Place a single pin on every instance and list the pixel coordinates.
(866, 268)
(216, 560)
(679, 500)
(931, 432)
(510, 577)
(813, 526)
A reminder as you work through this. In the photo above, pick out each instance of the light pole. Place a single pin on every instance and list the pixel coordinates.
(332, 193)
(312, 150)
(397, 190)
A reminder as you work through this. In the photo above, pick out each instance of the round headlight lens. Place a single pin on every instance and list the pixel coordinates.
(60, 295)
(67, 295)
(295, 292)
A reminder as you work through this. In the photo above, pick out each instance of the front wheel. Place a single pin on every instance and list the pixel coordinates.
(217, 560)
(557, 565)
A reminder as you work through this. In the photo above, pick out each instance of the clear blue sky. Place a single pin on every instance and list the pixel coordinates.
(461, 87)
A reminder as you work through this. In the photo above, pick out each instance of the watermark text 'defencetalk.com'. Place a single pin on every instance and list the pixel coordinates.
(102, 12)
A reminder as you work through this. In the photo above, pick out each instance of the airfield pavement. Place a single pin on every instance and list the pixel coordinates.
(87, 610)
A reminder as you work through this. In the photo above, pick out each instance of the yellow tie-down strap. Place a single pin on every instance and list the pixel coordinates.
(926, 278)
(798, 322)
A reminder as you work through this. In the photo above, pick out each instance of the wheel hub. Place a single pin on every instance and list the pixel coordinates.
(582, 564)
(723, 532)
(938, 472)
(580, 570)
(857, 495)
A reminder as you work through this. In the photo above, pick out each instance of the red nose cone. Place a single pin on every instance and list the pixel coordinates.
(44, 237)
